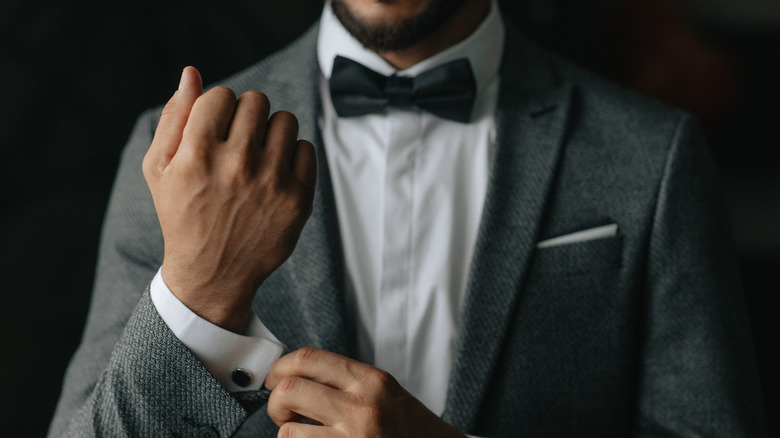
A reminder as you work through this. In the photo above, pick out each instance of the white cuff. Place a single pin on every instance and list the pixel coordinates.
(222, 352)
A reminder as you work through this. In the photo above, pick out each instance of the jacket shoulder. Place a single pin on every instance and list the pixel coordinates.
(618, 116)
(292, 71)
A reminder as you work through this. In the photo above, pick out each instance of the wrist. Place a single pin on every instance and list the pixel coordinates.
(220, 303)
(234, 318)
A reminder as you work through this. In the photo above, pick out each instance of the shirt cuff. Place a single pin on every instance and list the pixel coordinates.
(228, 356)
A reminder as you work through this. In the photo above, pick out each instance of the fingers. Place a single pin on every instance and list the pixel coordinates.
(210, 117)
(281, 136)
(347, 397)
(249, 121)
(174, 118)
(198, 124)
(296, 397)
(320, 366)
(286, 153)
(300, 430)
(305, 164)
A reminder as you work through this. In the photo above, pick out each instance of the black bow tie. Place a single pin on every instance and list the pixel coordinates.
(447, 90)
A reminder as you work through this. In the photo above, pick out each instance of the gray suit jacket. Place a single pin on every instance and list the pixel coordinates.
(642, 334)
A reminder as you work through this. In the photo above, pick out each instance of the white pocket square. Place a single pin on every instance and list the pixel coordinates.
(581, 236)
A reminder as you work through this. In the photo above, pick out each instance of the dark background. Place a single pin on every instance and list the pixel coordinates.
(76, 74)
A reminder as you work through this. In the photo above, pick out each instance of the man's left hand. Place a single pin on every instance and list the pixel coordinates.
(348, 399)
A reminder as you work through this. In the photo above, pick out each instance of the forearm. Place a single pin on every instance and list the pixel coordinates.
(95, 390)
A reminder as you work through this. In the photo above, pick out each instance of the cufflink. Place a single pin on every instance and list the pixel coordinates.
(241, 377)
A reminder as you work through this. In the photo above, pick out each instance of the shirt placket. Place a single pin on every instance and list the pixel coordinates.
(397, 265)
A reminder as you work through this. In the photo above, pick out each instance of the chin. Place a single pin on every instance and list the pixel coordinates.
(385, 12)
(393, 25)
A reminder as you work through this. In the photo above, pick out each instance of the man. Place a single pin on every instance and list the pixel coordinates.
(502, 246)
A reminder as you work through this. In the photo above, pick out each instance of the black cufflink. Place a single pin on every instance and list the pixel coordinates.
(241, 377)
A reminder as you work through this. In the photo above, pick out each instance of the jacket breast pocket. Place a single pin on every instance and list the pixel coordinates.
(598, 255)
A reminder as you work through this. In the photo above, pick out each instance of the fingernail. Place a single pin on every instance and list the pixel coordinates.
(183, 79)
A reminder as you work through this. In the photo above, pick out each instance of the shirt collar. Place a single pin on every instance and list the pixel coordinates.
(483, 49)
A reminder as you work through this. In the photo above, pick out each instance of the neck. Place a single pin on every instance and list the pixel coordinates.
(456, 29)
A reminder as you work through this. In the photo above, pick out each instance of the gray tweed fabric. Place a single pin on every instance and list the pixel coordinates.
(153, 386)
(642, 334)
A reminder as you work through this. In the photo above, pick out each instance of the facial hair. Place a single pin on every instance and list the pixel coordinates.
(400, 36)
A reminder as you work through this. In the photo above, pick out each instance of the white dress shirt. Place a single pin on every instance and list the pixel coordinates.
(409, 189)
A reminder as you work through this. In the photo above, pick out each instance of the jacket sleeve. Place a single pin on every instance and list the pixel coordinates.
(130, 375)
(153, 386)
(699, 376)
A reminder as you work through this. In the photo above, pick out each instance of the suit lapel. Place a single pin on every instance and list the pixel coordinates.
(531, 122)
(309, 285)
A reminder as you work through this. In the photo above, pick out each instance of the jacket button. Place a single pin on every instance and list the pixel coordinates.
(207, 432)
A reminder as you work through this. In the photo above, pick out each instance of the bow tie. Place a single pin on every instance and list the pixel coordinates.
(447, 90)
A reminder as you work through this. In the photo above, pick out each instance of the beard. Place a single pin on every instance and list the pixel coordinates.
(394, 37)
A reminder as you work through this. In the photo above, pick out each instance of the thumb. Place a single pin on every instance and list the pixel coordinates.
(174, 117)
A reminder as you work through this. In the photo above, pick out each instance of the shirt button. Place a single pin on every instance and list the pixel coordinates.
(241, 377)
(207, 432)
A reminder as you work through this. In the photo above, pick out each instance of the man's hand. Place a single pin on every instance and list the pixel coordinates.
(349, 399)
(232, 189)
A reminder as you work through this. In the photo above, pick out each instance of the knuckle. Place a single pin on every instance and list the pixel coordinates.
(275, 409)
(306, 146)
(222, 92)
(288, 385)
(305, 154)
(358, 372)
(146, 166)
(380, 378)
(306, 157)
(273, 405)
(297, 205)
(193, 159)
(168, 111)
(287, 430)
(304, 356)
(286, 118)
(258, 96)
(269, 183)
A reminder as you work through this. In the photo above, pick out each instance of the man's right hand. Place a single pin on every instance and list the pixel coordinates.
(232, 189)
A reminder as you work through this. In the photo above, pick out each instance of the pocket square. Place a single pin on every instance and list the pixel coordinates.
(594, 233)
